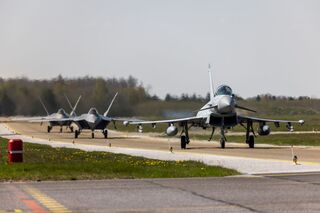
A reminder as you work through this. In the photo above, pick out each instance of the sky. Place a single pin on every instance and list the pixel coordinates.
(256, 47)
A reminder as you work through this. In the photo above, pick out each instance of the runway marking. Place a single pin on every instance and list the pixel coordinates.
(26, 200)
(46, 201)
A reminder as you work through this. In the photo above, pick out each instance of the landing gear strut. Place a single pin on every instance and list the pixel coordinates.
(211, 136)
(222, 139)
(92, 134)
(71, 128)
(61, 129)
(49, 129)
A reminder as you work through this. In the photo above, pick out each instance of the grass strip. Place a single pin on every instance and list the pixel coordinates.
(42, 162)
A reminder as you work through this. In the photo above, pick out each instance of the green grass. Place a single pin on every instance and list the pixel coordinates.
(279, 139)
(42, 162)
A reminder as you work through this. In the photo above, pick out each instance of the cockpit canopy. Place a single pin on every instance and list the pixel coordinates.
(61, 111)
(93, 111)
(223, 90)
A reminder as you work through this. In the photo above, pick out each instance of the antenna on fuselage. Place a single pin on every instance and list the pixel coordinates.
(211, 83)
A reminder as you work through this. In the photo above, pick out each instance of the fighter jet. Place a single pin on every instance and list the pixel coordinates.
(219, 112)
(94, 121)
(61, 118)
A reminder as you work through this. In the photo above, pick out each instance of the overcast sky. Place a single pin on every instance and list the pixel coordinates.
(256, 46)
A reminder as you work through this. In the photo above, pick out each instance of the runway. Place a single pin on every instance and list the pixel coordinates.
(294, 193)
(262, 159)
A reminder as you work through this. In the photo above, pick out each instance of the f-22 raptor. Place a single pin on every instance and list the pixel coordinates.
(219, 112)
(60, 118)
(94, 121)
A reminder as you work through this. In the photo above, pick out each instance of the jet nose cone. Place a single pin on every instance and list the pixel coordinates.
(226, 104)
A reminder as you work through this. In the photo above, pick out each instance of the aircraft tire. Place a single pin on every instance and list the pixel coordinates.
(71, 128)
(49, 129)
(183, 142)
(251, 141)
(60, 129)
(105, 133)
(222, 143)
(76, 134)
(92, 134)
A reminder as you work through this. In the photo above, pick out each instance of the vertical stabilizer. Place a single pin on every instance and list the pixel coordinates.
(44, 107)
(211, 83)
(70, 105)
(73, 112)
(106, 113)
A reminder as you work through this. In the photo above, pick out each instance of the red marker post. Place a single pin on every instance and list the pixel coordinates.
(15, 151)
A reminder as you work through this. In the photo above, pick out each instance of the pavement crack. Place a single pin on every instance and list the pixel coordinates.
(204, 196)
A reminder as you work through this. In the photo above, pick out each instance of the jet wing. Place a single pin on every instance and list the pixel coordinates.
(195, 120)
(246, 119)
(50, 120)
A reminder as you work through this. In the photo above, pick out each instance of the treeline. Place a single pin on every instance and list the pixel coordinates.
(21, 96)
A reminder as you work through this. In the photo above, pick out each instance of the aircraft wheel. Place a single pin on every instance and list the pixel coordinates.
(251, 141)
(60, 129)
(71, 128)
(222, 143)
(76, 134)
(105, 133)
(183, 142)
(92, 134)
(49, 129)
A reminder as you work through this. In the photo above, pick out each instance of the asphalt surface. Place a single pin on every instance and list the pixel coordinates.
(281, 193)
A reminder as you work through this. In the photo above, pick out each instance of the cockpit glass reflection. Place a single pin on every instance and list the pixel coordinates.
(223, 90)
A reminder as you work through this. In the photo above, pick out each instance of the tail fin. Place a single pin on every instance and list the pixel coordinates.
(72, 113)
(211, 83)
(106, 113)
(44, 107)
(70, 105)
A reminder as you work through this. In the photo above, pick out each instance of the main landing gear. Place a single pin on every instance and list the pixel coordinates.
(105, 133)
(249, 135)
(76, 133)
(222, 139)
(49, 129)
(185, 136)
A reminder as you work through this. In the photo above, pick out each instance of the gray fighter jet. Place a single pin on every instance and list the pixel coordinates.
(94, 121)
(61, 118)
(219, 112)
